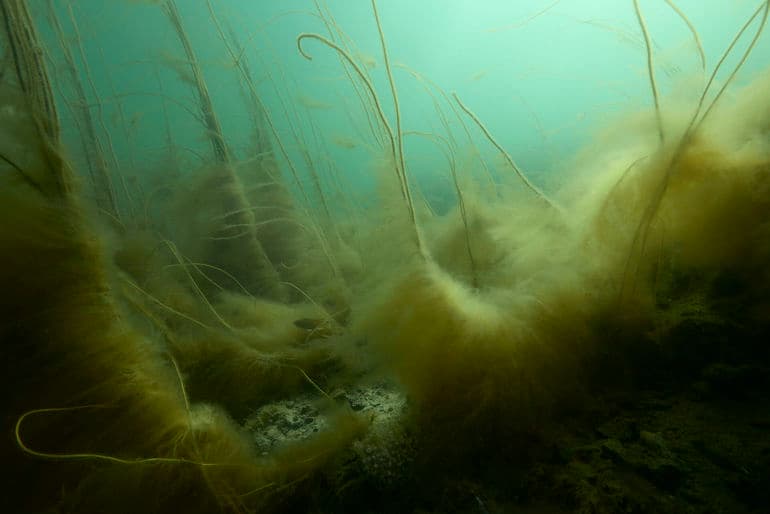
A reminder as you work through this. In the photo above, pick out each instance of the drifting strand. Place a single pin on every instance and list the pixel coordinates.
(97, 456)
(528, 19)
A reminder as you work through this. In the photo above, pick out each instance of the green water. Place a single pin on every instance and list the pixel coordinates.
(542, 75)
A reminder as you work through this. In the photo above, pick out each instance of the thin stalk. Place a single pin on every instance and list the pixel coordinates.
(233, 186)
(424, 80)
(394, 152)
(460, 200)
(650, 69)
(22, 39)
(641, 233)
(693, 31)
(104, 190)
(506, 155)
(92, 84)
(24, 44)
(214, 129)
(263, 116)
(399, 132)
(738, 66)
(332, 27)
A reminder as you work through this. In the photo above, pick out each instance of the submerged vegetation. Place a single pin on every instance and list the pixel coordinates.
(240, 326)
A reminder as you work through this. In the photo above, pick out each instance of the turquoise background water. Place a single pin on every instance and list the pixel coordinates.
(542, 76)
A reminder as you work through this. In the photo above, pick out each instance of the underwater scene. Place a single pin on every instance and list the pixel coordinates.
(395, 256)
